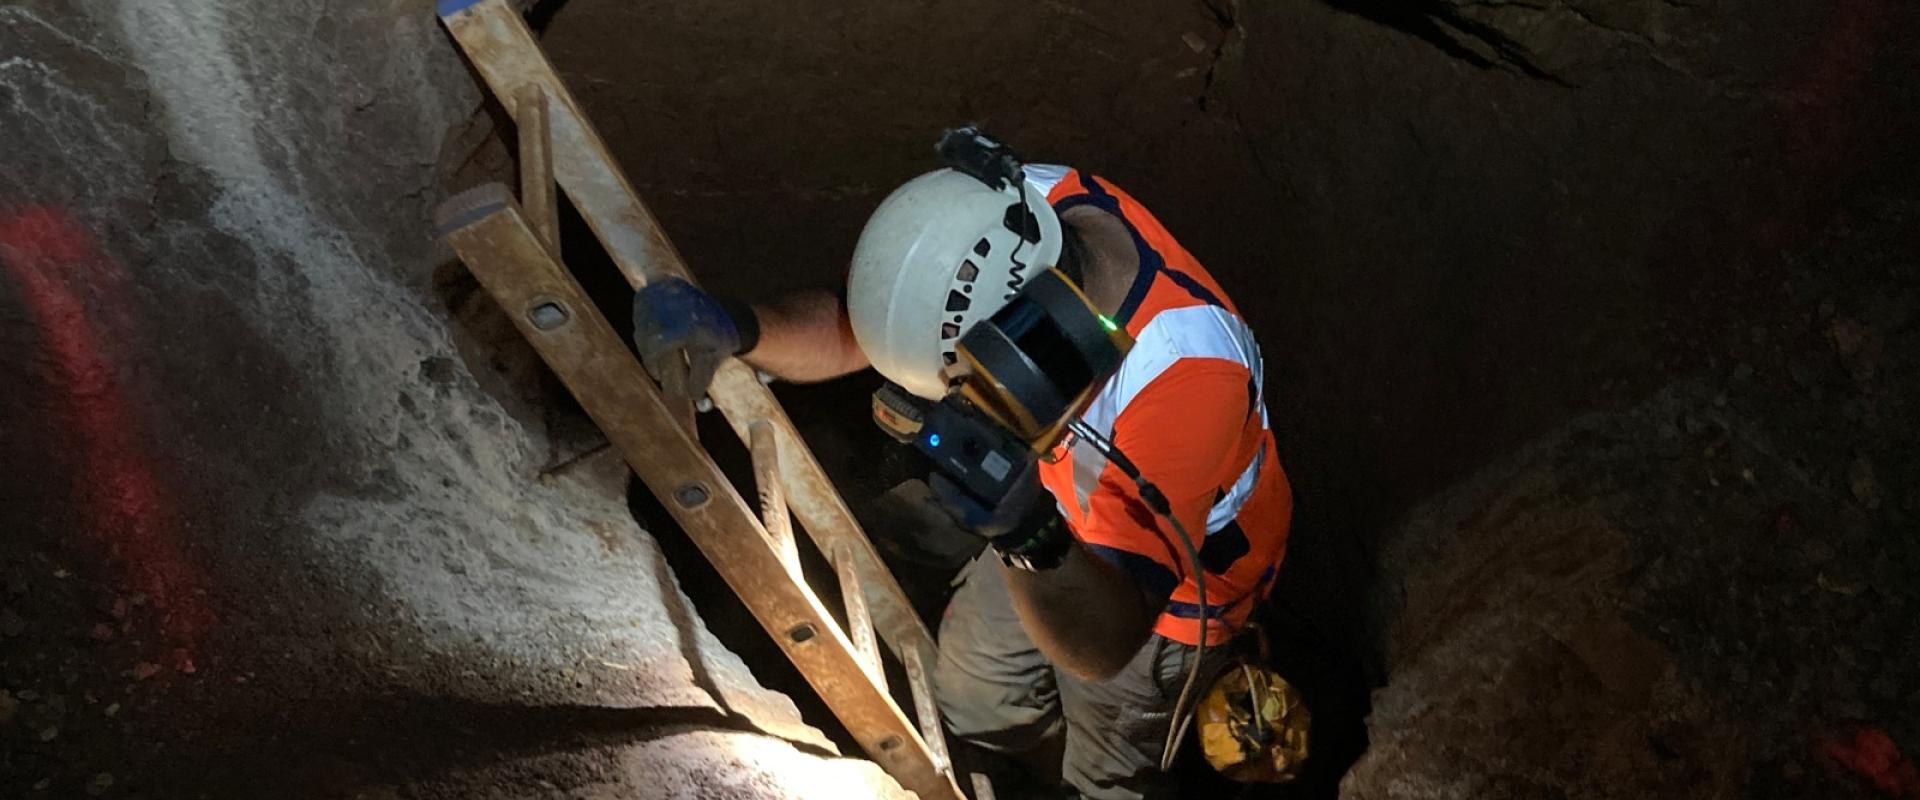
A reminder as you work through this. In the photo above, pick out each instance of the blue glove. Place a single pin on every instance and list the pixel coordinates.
(684, 334)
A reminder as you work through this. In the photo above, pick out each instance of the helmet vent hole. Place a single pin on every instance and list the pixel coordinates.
(957, 301)
(1021, 220)
(980, 248)
(948, 331)
(951, 358)
(969, 271)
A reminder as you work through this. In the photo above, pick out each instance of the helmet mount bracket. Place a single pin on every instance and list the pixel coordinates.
(982, 157)
(988, 160)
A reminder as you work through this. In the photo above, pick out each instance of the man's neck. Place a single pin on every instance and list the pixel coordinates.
(1112, 262)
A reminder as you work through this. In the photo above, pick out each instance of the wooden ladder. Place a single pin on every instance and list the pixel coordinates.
(512, 247)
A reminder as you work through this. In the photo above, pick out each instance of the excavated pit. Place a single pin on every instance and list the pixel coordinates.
(1590, 327)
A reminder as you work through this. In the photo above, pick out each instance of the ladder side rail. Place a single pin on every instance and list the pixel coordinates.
(740, 396)
(504, 51)
(501, 47)
(490, 233)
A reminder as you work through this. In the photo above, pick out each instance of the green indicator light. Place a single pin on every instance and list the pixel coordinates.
(1107, 322)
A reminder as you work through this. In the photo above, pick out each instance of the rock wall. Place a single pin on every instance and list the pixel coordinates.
(266, 534)
(1708, 595)
(1515, 212)
(1454, 224)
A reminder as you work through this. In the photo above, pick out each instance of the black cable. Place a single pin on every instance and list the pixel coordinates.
(1157, 501)
(1026, 222)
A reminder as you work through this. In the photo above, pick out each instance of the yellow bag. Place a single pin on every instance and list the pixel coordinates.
(1253, 725)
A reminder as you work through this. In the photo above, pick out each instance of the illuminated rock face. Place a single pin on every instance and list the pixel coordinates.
(1515, 670)
(272, 519)
(1700, 596)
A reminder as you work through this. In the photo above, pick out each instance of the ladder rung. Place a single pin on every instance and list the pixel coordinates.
(598, 368)
(773, 498)
(815, 502)
(859, 623)
(926, 711)
(539, 196)
(493, 237)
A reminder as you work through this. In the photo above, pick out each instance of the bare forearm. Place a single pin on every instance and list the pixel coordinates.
(1086, 616)
(805, 338)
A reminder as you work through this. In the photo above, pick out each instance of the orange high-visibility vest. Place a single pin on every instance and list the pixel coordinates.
(1186, 407)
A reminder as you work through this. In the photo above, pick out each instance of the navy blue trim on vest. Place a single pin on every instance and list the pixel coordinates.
(1193, 287)
(1152, 576)
(1074, 201)
(1215, 611)
(1218, 610)
(1151, 262)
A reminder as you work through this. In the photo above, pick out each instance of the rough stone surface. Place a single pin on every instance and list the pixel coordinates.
(1514, 673)
(268, 533)
(1454, 224)
(1691, 598)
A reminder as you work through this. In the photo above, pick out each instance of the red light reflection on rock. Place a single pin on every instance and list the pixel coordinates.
(80, 301)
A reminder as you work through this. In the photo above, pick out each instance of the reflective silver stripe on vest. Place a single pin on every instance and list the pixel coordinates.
(1043, 177)
(1203, 331)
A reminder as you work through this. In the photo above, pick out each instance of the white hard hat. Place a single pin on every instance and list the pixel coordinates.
(941, 253)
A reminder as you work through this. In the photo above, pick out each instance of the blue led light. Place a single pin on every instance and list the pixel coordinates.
(933, 440)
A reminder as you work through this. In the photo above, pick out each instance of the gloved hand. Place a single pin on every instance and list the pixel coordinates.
(684, 334)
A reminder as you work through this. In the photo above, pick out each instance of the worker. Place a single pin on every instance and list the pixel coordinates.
(1067, 650)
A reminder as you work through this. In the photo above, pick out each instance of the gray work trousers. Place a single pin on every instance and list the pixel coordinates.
(998, 692)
